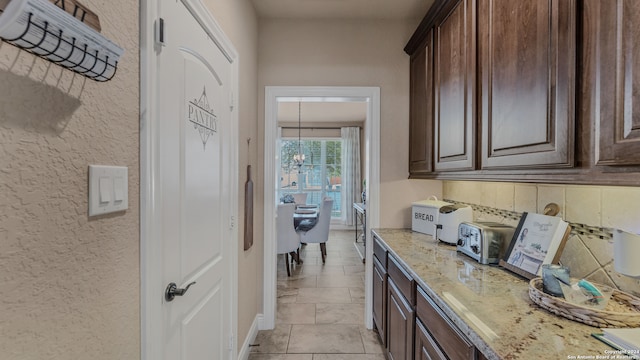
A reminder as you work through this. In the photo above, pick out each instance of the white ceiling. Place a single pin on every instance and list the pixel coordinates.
(342, 9)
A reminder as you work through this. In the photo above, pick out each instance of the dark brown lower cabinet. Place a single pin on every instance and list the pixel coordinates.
(400, 322)
(444, 335)
(410, 324)
(380, 299)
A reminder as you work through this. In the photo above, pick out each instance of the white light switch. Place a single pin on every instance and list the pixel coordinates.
(108, 189)
(119, 189)
(105, 190)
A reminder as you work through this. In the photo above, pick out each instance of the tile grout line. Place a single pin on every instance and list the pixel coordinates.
(341, 256)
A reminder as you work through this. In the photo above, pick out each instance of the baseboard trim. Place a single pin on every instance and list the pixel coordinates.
(251, 337)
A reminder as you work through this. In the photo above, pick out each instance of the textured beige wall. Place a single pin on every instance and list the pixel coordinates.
(352, 53)
(238, 20)
(69, 284)
(592, 210)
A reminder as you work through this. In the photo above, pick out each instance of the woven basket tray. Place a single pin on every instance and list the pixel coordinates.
(623, 310)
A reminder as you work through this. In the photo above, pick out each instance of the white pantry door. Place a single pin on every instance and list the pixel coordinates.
(194, 115)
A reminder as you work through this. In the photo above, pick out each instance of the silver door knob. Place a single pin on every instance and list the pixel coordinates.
(172, 291)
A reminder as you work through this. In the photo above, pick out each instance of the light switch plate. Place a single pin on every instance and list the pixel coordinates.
(108, 189)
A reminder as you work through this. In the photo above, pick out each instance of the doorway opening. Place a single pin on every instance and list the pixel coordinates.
(371, 145)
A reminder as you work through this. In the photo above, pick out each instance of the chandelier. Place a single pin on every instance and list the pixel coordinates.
(298, 159)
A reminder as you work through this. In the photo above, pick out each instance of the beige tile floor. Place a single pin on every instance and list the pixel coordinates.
(321, 308)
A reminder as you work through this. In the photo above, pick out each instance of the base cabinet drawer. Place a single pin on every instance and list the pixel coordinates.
(452, 343)
(403, 280)
(379, 251)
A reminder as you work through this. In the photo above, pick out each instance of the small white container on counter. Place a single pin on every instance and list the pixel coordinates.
(424, 215)
(626, 247)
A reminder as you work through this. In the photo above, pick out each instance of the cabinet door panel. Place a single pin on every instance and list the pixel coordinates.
(400, 319)
(421, 109)
(380, 299)
(527, 72)
(612, 32)
(454, 76)
(426, 346)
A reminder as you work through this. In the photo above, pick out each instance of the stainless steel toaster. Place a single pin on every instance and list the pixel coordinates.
(484, 241)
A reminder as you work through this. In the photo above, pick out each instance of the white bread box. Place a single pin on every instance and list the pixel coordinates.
(424, 215)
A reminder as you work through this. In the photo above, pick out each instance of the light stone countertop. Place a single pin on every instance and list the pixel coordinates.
(489, 304)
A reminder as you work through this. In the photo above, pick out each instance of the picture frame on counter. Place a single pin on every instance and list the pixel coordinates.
(538, 240)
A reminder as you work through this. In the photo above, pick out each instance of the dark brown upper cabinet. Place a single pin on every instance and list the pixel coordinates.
(454, 89)
(532, 91)
(421, 109)
(613, 74)
(527, 76)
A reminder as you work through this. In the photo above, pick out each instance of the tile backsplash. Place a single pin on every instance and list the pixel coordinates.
(593, 212)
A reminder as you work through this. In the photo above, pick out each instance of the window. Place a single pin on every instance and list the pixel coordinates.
(319, 176)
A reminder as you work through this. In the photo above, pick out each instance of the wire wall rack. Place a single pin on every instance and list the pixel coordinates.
(78, 57)
(51, 33)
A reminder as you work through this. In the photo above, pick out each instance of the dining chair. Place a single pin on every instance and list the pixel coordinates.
(288, 238)
(320, 232)
(300, 198)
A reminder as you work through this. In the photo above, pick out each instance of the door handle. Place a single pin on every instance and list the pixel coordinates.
(172, 291)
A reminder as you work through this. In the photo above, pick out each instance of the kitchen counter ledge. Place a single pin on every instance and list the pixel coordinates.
(489, 304)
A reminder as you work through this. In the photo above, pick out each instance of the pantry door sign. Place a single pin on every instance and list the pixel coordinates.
(202, 116)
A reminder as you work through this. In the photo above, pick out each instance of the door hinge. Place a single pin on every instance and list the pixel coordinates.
(232, 101)
(232, 222)
(230, 343)
(159, 32)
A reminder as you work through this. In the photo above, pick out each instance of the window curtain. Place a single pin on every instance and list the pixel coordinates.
(351, 183)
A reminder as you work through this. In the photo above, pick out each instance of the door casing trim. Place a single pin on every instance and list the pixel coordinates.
(273, 94)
